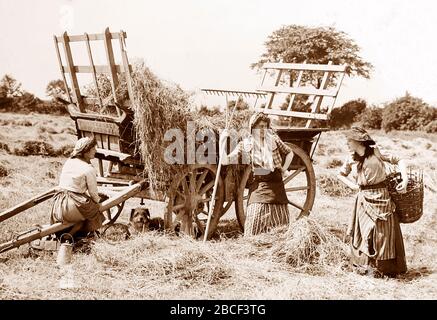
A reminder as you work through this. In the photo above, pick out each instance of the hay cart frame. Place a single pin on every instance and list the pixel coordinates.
(189, 194)
(303, 137)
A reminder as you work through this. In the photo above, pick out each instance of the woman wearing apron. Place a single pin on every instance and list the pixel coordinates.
(268, 204)
(77, 199)
(375, 235)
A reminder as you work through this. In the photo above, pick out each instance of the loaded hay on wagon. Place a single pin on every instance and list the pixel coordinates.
(158, 107)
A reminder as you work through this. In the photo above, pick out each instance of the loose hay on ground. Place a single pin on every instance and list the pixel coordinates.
(164, 259)
(307, 245)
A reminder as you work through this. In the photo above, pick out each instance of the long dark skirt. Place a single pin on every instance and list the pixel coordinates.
(376, 236)
(70, 207)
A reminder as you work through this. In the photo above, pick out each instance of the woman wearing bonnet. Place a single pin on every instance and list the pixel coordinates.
(77, 199)
(268, 204)
(376, 241)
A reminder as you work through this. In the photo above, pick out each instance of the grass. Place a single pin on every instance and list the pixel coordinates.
(308, 261)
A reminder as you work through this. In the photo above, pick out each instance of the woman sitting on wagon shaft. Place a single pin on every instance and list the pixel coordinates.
(268, 203)
(77, 200)
(375, 235)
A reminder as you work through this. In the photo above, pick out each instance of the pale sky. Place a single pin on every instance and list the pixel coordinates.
(199, 43)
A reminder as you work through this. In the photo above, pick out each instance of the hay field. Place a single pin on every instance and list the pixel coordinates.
(157, 267)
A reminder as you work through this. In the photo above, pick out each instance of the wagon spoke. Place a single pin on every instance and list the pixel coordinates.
(206, 187)
(178, 207)
(205, 200)
(184, 184)
(293, 175)
(192, 181)
(201, 179)
(199, 224)
(295, 205)
(296, 189)
(180, 194)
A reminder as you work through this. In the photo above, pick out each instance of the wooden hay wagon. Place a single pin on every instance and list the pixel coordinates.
(189, 194)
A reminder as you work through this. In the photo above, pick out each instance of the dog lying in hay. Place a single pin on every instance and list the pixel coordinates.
(140, 221)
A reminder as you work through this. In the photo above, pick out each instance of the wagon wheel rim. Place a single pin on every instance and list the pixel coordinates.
(300, 186)
(189, 200)
(112, 214)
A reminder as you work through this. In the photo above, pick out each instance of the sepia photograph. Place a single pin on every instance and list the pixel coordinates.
(222, 152)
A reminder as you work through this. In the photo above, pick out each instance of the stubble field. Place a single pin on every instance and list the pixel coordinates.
(153, 266)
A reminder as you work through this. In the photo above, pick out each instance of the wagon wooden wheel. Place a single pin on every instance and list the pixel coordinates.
(112, 214)
(300, 186)
(189, 200)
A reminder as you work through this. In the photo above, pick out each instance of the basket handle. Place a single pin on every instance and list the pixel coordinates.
(68, 235)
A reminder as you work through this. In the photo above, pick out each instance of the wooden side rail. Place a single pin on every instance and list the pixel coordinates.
(325, 88)
(27, 204)
(33, 234)
(74, 114)
(68, 67)
(300, 90)
(99, 69)
(93, 37)
(305, 67)
(297, 114)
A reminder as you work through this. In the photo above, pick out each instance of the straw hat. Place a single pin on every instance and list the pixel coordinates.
(359, 134)
(83, 145)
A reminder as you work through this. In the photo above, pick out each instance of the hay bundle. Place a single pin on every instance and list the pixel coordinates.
(308, 245)
(159, 106)
(332, 187)
(165, 259)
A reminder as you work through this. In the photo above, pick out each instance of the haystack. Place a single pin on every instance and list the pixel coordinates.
(158, 107)
(308, 245)
(305, 245)
(165, 259)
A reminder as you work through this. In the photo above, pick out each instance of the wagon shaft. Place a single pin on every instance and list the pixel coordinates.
(42, 231)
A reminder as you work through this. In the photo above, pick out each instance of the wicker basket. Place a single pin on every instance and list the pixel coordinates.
(409, 205)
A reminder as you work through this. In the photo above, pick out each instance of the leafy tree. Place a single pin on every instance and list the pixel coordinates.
(28, 101)
(318, 45)
(205, 111)
(346, 115)
(407, 113)
(371, 118)
(242, 105)
(56, 88)
(3, 92)
(10, 87)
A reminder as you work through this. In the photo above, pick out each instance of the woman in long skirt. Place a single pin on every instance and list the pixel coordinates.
(375, 235)
(268, 204)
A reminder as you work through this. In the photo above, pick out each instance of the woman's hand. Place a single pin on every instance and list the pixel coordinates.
(223, 136)
(222, 144)
(402, 186)
(348, 182)
(284, 173)
(103, 197)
